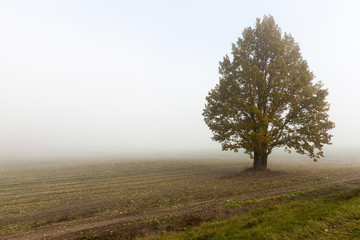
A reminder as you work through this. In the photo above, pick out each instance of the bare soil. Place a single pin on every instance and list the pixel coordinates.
(139, 198)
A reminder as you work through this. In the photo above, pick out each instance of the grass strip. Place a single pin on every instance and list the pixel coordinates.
(331, 216)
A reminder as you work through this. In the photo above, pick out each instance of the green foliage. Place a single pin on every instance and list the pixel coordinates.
(334, 216)
(266, 98)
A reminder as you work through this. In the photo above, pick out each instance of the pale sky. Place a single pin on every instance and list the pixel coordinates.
(92, 78)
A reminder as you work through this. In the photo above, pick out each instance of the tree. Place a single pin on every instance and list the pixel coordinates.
(266, 99)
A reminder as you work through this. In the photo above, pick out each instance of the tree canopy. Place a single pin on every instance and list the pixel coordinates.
(266, 98)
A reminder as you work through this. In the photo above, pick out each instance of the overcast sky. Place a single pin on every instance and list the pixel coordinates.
(110, 77)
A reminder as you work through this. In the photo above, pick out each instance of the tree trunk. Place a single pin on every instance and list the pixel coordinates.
(260, 161)
(264, 161)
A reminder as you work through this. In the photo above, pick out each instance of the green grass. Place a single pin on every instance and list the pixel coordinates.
(333, 216)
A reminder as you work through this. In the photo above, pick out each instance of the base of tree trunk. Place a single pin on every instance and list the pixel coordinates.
(260, 161)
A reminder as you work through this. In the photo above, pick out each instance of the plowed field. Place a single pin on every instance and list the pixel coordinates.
(137, 198)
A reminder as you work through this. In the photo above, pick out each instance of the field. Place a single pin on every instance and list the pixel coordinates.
(328, 216)
(143, 198)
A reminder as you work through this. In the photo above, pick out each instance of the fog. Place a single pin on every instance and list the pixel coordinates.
(121, 78)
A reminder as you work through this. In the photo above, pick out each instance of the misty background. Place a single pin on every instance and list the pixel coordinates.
(114, 78)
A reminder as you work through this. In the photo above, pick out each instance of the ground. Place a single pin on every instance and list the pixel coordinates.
(126, 199)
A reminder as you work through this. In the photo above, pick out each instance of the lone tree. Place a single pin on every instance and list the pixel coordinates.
(265, 98)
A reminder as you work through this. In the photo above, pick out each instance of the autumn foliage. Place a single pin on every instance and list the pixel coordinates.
(266, 98)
